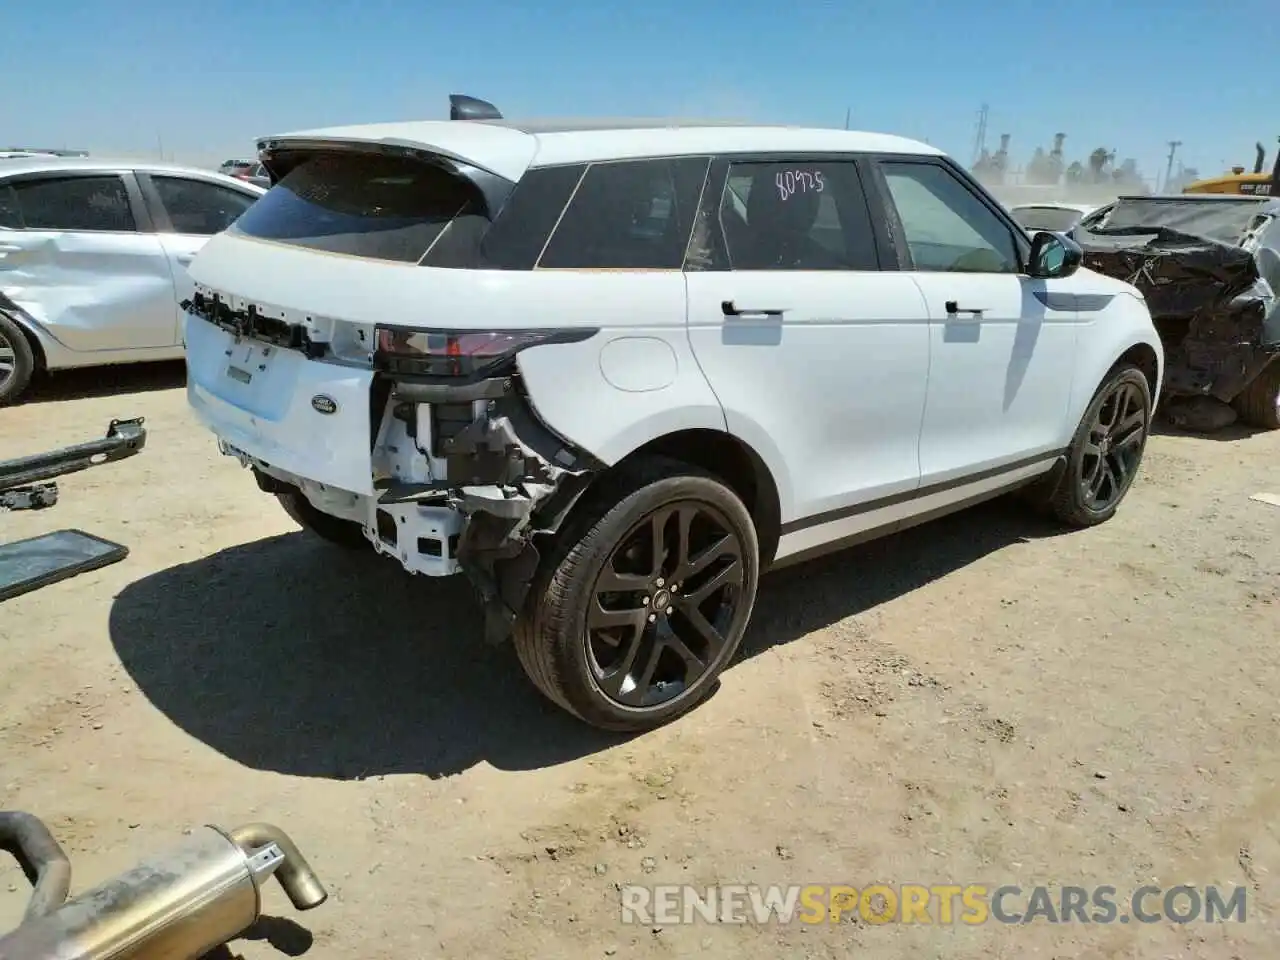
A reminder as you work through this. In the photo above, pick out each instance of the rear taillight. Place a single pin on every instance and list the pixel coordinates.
(459, 353)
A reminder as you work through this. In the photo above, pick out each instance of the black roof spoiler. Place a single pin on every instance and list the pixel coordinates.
(462, 107)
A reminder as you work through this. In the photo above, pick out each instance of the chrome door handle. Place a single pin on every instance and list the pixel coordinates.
(729, 310)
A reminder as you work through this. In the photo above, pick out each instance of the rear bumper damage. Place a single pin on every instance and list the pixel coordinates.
(466, 479)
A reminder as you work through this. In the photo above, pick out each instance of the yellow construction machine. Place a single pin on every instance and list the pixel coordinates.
(1237, 181)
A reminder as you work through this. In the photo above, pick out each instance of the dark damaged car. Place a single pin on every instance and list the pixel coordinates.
(1209, 267)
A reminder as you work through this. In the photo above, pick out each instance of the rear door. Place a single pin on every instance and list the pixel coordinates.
(80, 258)
(1002, 344)
(188, 211)
(818, 357)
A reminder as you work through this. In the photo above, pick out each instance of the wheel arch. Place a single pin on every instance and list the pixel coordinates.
(1143, 356)
(1098, 356)
(735, 462)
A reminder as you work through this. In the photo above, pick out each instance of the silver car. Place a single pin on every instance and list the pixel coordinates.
(93, 257)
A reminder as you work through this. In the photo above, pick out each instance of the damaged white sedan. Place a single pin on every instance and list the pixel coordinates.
(612, 372)
(93, 257)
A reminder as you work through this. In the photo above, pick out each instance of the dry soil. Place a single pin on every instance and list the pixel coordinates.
(985, 699)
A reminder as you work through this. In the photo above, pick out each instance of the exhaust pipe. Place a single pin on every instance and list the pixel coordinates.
(179, 905)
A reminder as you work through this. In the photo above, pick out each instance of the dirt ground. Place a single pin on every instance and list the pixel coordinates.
(985, 699)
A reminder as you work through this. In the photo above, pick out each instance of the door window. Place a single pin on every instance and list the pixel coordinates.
(796, 216)
(629, 215)
(75, 204)
(945, 226)
(200, 208)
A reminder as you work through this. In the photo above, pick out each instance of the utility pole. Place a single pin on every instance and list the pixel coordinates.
(980, 140)
(1168, 170)
(847, 114)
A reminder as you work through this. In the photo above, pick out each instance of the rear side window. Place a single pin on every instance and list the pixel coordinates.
(519, 233)
(362, 205)
(629, 215)
(809, 215)
(75, 203)
(197, 207)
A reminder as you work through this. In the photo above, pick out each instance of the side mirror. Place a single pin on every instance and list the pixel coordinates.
(1054, 255)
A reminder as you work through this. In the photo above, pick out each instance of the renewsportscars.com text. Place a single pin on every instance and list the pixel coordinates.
(969, 904)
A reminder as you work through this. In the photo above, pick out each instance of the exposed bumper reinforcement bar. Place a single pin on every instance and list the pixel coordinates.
(124, 438)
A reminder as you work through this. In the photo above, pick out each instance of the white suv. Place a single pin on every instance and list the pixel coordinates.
(614, 372)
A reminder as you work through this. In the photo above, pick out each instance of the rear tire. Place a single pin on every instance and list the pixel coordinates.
(344, 533)
(643, 599)
(1106, 451)
(1259, 404)
(17, 361)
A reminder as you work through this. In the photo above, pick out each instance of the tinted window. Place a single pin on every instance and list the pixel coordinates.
(947, 228)
(75, 203)
(362, 205)
(200, 208)
(796, 216)
(522, 227)
(629, 215)
(9, 215)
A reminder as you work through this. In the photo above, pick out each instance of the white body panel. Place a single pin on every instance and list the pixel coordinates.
(831, 392)
(271, 416)
(999, 380)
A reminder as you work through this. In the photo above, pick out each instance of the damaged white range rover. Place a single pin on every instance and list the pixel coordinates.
(613, 372)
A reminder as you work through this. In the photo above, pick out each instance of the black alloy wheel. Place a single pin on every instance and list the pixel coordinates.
(642, 597)
(1106, 451)
(665, 605)
(1114, 446)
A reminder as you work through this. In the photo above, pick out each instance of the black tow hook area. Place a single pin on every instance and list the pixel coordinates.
(269, 484)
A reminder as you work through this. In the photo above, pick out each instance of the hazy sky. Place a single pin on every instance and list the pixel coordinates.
(204, 79)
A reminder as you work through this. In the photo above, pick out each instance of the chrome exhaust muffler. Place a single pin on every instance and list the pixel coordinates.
(177, 906)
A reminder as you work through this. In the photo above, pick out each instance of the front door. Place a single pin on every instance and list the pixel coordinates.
(1002, 344)
(818, 359)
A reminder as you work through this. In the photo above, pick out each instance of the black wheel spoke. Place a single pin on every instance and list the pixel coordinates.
(694, 664)
(1130, 429)
(712, 639)
(666, 605)
(730, 575)
(611, 581)
(614, 683)
(640, 692)
(621, 620)
(658, 531)
(692, 567)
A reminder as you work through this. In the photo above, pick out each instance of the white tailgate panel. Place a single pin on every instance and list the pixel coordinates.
(271, 417)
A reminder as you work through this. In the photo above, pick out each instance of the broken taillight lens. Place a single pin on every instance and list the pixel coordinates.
(457, 353)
